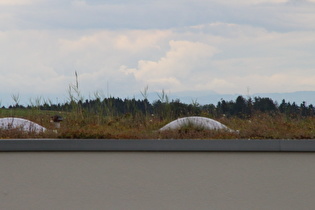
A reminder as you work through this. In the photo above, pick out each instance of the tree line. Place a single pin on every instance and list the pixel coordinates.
(240, 107)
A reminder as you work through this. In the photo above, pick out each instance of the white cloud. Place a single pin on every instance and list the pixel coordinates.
(177, 67)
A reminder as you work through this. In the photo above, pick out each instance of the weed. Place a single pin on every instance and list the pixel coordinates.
(97, 126)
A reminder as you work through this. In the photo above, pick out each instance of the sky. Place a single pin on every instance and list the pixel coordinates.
(118, 48)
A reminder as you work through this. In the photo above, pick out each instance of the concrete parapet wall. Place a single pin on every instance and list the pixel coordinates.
(157, 180)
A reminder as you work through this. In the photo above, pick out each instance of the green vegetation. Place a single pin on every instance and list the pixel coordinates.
(114, 118)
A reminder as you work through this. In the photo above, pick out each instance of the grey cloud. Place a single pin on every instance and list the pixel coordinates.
(158, 14)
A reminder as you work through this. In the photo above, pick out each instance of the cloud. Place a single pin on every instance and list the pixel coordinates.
(121, 47)
(220, 57)
(270, 14)
(229, 53)
(286, 82)
(17, 2)
(237, 2)
(183, 60)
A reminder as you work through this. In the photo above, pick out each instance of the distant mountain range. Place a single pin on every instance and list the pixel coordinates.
(209, 97)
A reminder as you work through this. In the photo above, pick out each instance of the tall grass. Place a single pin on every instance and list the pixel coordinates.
(262, 126)
(102, 121)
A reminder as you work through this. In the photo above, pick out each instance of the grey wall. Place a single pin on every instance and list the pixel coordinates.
(157, 180)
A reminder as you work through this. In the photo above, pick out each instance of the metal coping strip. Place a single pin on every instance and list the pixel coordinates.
(152, 145)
